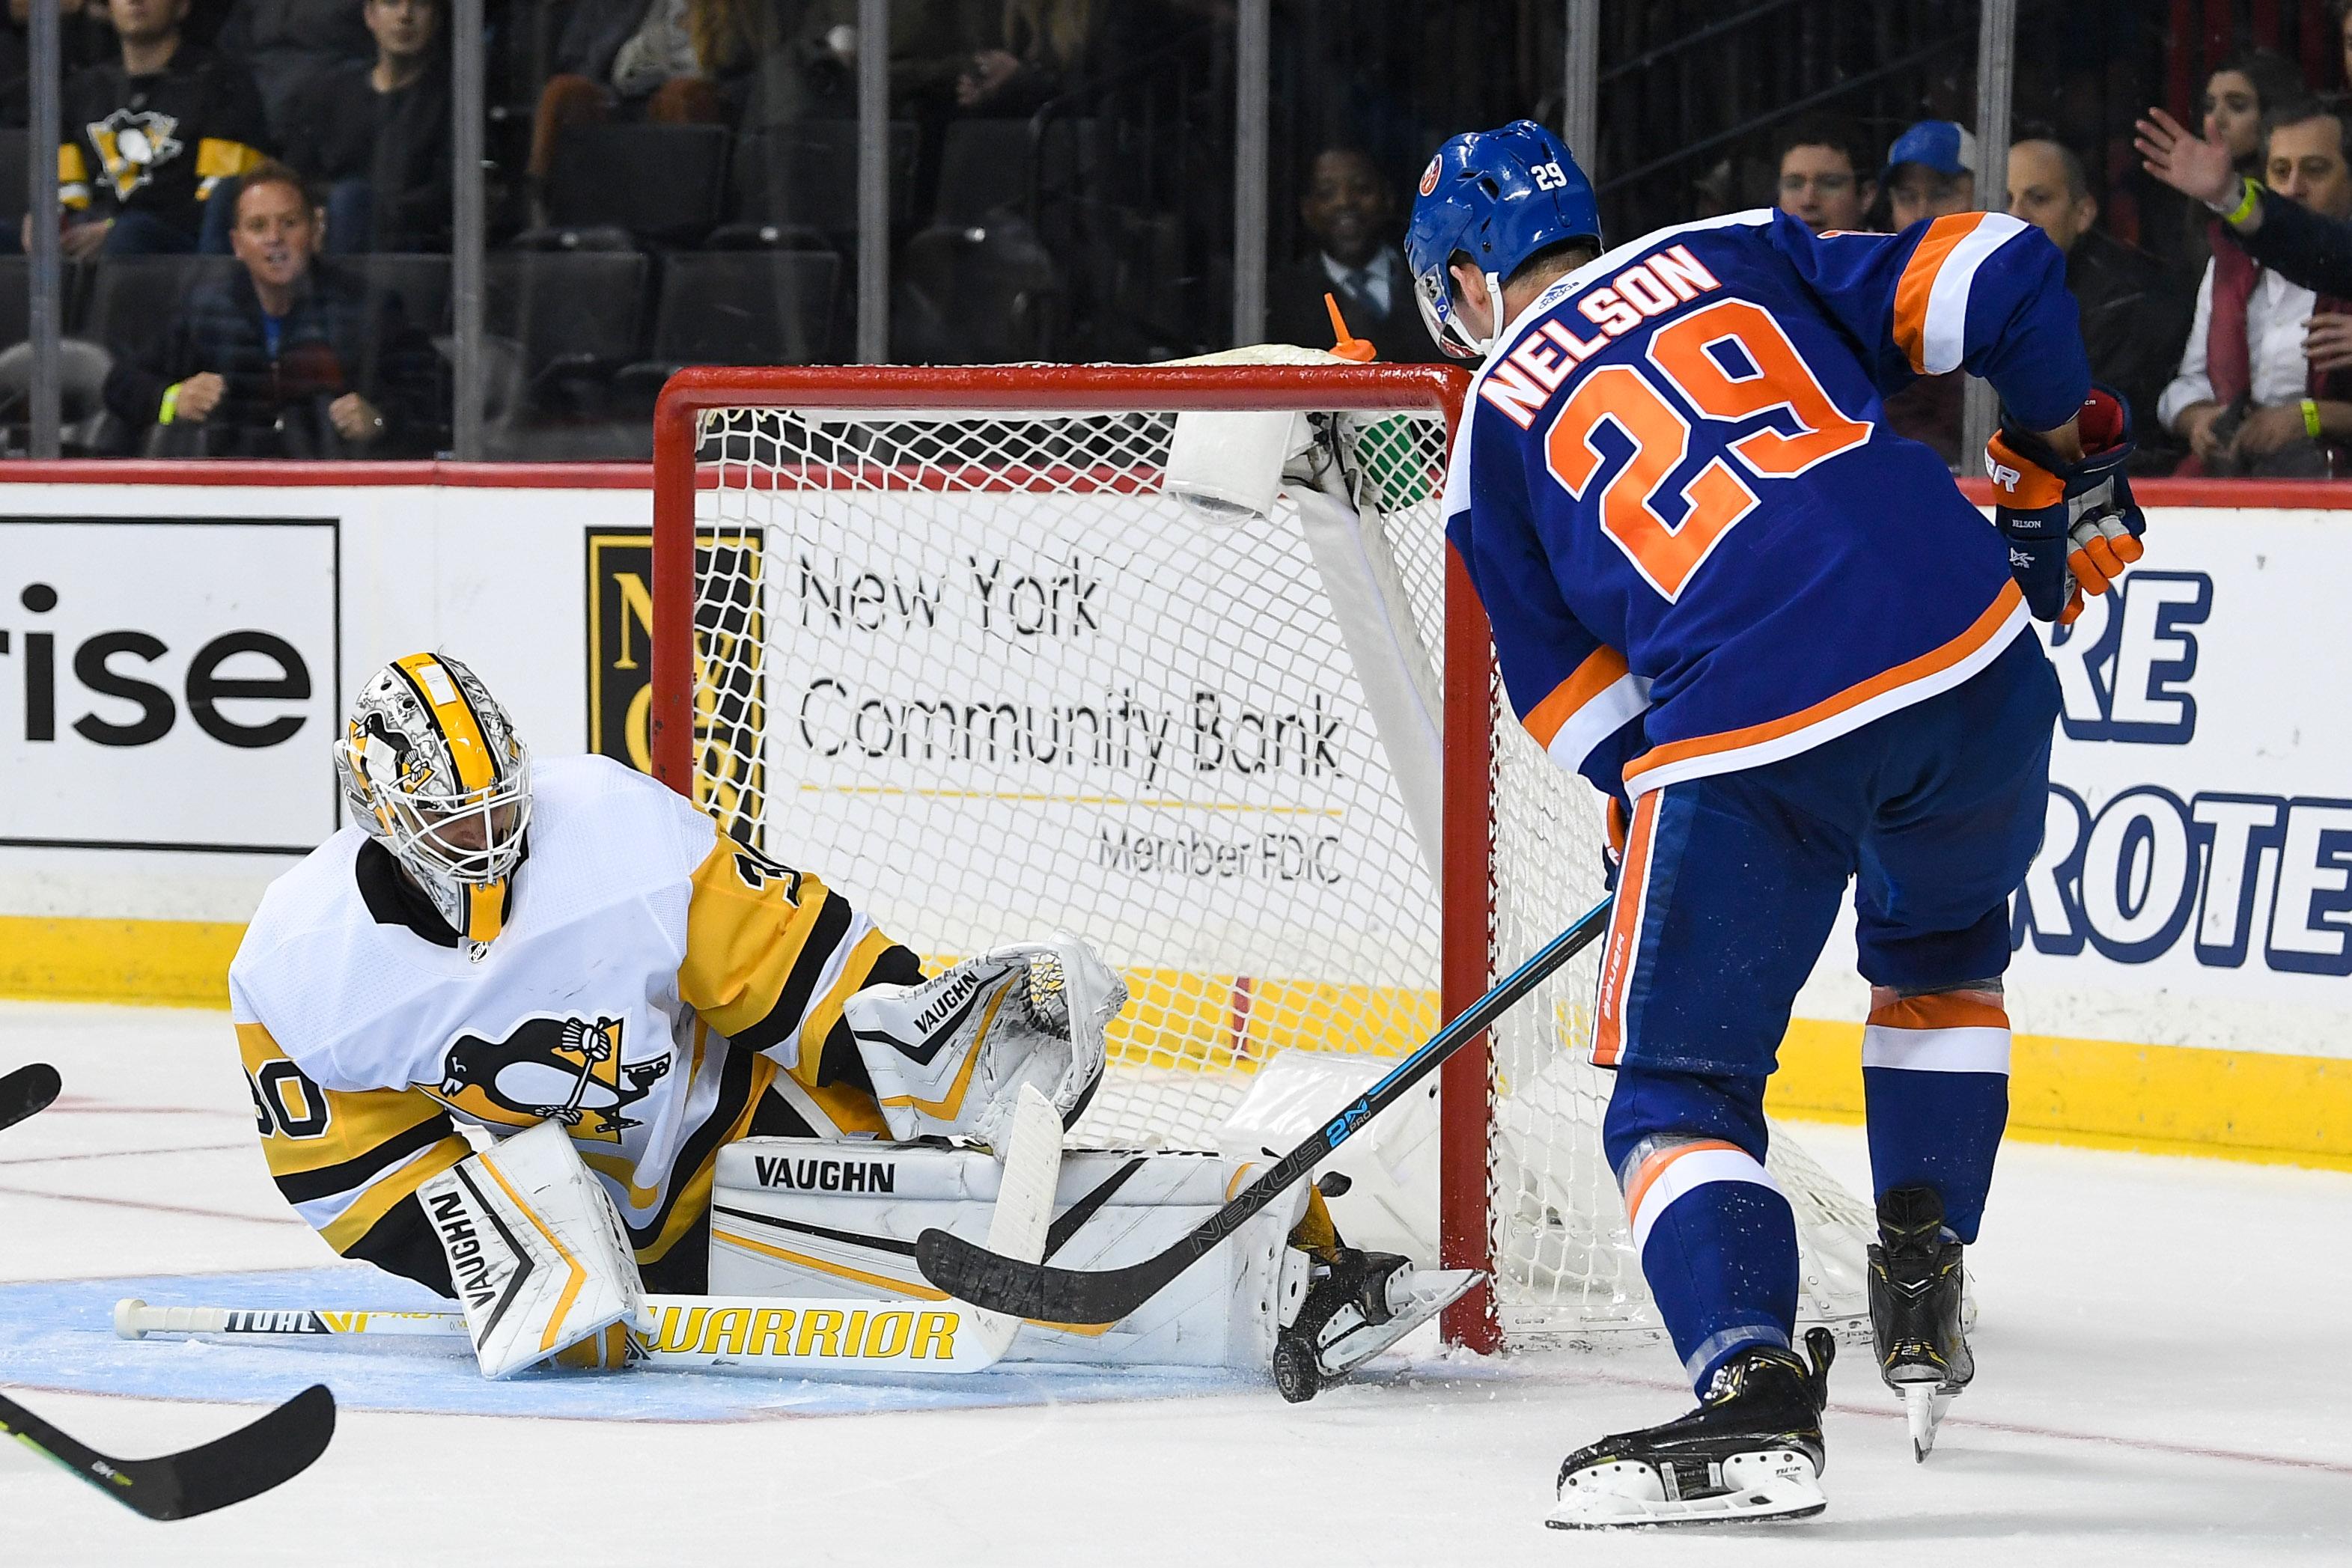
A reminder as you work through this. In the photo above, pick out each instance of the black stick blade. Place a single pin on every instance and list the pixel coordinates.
(1036, 1291)
(26, 1091)
(247, 1463)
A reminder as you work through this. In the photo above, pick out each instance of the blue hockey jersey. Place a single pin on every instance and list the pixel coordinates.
(1700, 545)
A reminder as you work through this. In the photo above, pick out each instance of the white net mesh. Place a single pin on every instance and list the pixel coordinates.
(982, 674)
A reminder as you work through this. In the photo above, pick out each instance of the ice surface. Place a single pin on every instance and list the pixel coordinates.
(2158, 1384)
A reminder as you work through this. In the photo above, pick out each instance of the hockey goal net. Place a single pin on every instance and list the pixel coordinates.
(958, 649)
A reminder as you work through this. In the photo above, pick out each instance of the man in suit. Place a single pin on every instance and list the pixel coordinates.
(1350, 212)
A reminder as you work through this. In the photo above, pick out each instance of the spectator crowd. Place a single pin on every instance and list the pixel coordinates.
(307, 145)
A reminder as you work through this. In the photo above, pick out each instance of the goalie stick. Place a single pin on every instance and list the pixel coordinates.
(1038, 1292)
(245, 1463)
(25, 1091)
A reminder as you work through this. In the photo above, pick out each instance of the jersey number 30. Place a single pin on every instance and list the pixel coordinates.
(1684, 355)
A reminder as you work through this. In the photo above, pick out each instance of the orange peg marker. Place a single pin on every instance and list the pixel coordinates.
(1356, 350)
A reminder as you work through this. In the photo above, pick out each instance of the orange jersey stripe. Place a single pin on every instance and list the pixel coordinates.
(1625, 934)
(1942, 1009)
(1934, 662)
(1602, 668)
(1655, 1166)
(1918, 281)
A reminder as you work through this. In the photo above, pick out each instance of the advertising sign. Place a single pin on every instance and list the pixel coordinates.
(167, 684)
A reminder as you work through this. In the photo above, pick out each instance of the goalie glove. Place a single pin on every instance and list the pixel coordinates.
(949, 1055)
(537, 1255)
(2071, 528)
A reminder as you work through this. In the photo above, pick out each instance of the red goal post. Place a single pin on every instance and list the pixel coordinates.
(1470, 691)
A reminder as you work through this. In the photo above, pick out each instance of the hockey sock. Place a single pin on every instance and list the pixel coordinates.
(1716, 1238)
(1935, 1075)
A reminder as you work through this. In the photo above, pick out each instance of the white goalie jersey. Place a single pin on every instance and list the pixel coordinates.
(656, 988)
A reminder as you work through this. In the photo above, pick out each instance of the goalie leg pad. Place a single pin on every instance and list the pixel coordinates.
(948, 1056)
(536, 1250)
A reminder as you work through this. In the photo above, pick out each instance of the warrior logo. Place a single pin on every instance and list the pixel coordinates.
(133, 146)
(566, 1069)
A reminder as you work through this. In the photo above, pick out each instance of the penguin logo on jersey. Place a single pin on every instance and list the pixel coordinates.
(133, 145)
(566, 1069)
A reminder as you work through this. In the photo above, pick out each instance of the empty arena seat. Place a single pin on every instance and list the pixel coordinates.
(571, 313)
(745, 308)
(660, 182)
(808, 174)
(131, 301)
(422, 282)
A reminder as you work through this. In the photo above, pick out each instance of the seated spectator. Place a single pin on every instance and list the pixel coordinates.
(1931, 172)
(85, 38)
(657, 60)
(2237, 96)
(377, 136)
(2133, 320)
(809, 71)
(1348, 208)
(150, 136)
(1047, 46)
(286, 357)
(2251, 397)
(289, 43)
(1821, 182)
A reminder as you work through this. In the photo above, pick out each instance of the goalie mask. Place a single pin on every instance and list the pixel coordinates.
(432, 768)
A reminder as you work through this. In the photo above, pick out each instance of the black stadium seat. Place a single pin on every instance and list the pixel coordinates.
(808, 174)
(15, 299)
(421, 281)
(131, 301)
(659, 182)
(575, 312)
(745, 308)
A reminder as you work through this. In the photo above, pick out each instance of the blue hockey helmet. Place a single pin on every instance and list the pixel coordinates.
(1498, 196)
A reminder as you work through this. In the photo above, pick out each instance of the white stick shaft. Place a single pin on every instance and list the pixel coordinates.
(789, 1333)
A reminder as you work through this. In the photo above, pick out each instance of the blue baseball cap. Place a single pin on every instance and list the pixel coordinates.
(1944, 145)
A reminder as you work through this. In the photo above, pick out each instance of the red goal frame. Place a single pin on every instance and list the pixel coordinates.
(1466, 903)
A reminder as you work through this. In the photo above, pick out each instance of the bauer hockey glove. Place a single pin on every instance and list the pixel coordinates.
(2071, 527)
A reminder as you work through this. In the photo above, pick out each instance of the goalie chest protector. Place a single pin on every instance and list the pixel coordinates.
(805, 1217)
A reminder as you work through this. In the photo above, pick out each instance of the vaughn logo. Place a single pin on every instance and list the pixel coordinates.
(469, 1266)
(826, 1176)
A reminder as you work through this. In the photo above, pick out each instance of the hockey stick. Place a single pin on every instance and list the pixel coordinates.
(245, 1463)
(1047, 1294)
(25, 1091)
(789, 1333)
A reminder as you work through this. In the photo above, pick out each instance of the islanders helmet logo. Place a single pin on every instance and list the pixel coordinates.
(1429, 178)
(566, 1069)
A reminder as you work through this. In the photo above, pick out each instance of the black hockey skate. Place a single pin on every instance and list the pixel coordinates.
(1752, 1450)
(1341, 1306)
(1917, 1290)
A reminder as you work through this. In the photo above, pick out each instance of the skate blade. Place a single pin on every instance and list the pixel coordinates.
(1627, 1497)
(1437, 1292)
(1924, 1405)
(1750, 1505)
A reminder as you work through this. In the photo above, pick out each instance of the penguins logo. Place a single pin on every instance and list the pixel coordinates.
(566, 1069)
(133, 145)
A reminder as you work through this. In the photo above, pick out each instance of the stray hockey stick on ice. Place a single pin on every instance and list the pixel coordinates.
(25, 1091)
(1031, 1290)
(821, 1335)
(245, 1463)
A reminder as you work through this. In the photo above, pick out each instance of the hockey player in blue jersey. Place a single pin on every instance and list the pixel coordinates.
(1793, 655)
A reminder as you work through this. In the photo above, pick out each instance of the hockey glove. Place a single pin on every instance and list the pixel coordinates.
(2071, 527)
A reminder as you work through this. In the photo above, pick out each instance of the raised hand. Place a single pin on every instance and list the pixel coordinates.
(2186, 162)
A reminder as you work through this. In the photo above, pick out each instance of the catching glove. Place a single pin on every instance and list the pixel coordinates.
(2071, 527)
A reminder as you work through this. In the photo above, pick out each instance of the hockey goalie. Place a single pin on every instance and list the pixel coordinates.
(699, 1069)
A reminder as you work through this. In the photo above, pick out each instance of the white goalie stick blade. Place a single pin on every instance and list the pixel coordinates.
(1025, 1198)
(1769, 1484)
(1924, 1405)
